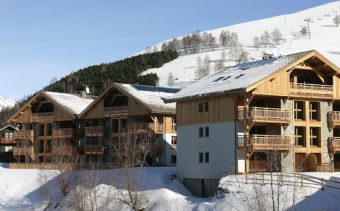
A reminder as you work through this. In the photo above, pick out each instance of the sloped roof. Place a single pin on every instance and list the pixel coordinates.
(236, 78)
(72, 103)
(149, 96)
(8, 126)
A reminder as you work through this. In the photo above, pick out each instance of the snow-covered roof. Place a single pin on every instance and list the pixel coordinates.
(9, 126)
(150, 96)
(236, 78)
(72, 103)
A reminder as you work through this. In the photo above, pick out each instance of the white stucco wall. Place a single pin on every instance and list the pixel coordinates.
(168, 150)
(221, 147)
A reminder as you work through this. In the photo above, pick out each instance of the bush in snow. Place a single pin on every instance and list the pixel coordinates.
(336, 20)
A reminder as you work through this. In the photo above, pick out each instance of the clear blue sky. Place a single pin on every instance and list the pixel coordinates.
(43, 39)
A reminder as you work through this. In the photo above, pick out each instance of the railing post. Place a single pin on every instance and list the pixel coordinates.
(301, 180)
(262, 178)
(323, 184)
(246, 178)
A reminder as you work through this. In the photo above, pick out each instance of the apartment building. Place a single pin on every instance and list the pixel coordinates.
(79, 129)
(124, 110)
(7, 143)
(48, 129)
(276, 114)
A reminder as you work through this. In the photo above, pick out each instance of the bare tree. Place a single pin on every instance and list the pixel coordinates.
(203, 67)
(276, 36)
(303, 31)
(257, 42)
(219, 65)
(336, 20)
(131, 155)
(265, 39)
(171, 79)
(238, 54)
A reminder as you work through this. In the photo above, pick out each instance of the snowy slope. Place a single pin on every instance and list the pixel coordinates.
(5, 103)
(22, 189)
(325, 38)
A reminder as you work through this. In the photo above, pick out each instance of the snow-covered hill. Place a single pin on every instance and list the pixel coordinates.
(325, 38)
(6, 103)
(29, 189)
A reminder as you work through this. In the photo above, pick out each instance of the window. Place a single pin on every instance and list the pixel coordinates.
(115, 125)
(299, 110)
(314, 137)
(314, 111)
(41, 129)
(173, 159)
(203, 107)
(206, 131)
(49, 130)
(123, 125)
(239, 76)
(203, 157)
(173, 140)
(206, 106)
(299, 136)
(201, 132)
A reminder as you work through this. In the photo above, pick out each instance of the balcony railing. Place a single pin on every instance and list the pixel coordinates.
(62, 133)
(114, 111)
(157, 128)
(269, 142)
(7, 140)
(18, 151)
(24, 134)
(42, 117)
(333, 118)
(311, 90)
(94, 149)
(61, 150)
(94, 131)
(266, 115)
(334, 142)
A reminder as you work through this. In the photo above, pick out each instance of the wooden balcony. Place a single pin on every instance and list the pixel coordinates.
(333, 118)
(115, 111)
(62, 133)
(7, 140)
(266, 115)
(42, 117)
(311, 90)
(173, 127)
(18, 151)
(62, 150)
(24, 134)
(94, 149)
(94, 131)
(334, 144)
(269, 142)
(140, 127)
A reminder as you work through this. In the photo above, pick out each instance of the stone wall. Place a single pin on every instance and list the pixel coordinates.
(287, 159)
(325, 107)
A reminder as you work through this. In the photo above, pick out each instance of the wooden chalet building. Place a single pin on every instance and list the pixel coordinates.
(7, 142)
(48, 130)
(124, 110)
(240, 118)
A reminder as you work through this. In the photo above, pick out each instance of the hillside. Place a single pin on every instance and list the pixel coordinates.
(23, 189)
(6, 103)
(325, 38)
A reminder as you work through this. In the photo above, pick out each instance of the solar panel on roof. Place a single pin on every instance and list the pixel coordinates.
(218, 79)
(155, 89)
(248, 65)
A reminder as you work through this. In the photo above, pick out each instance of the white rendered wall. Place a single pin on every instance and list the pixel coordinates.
(221, 147)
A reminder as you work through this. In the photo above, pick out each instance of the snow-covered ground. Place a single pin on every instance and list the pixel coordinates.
(29, 189)
(325, 37)
(6, 103)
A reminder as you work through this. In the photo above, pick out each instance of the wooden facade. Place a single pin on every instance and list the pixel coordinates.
(117, 115)
(293, 111)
